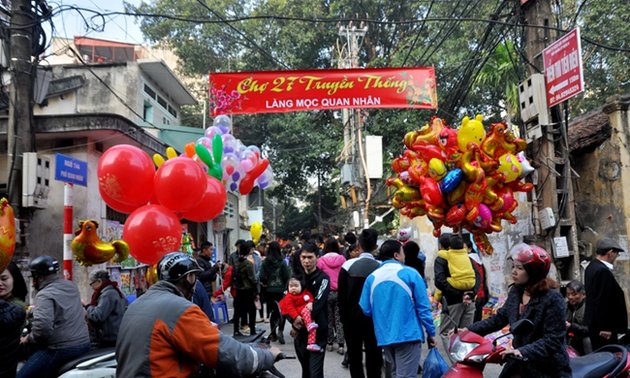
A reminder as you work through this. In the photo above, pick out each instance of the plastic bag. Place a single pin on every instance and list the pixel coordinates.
(434, 365)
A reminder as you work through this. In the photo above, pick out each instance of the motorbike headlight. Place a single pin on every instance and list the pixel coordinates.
(460, 349)
(478, 357)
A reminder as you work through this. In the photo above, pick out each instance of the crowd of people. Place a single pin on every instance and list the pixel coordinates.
(349, 295)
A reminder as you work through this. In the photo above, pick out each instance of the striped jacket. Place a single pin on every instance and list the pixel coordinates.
(165, 335)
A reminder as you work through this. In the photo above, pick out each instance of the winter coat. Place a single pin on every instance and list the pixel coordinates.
(209, 274)
(352, 277)
(396, 299)
(165, 335)
(575, 316)
(274, 274)
(331, 264)
(605, 300)
(545, 346)
(318, 283)
(293, 305)
(58, 319)
(247, 276)
(12, 318)
(227, 283)
(109, 312)
(450, 294)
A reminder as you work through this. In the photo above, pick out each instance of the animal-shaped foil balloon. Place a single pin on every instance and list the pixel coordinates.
(89, 249)
(7, 234)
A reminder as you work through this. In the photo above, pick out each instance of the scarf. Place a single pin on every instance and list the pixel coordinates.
(97, 292)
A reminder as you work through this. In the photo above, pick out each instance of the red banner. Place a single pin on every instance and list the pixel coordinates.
(289, 91)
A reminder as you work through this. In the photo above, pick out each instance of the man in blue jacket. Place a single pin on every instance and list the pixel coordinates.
(395, 297)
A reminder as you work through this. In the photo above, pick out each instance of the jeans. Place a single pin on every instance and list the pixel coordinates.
(46, 362)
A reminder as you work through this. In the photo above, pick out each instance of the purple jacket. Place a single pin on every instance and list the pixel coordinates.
(331, 264)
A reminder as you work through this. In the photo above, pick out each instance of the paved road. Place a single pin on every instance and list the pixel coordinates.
(332, 361)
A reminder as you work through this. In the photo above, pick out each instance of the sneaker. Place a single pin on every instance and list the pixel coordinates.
(280, 338)
(329, 348)
(245, 330)
(340, 350)
(314, 348)
(311, 327)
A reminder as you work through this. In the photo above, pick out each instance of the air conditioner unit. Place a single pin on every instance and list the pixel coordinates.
(35, 180)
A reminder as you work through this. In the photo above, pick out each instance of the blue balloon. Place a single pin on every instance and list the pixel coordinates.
(451, 180)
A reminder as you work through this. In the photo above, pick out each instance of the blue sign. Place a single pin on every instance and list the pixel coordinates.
(70, 170)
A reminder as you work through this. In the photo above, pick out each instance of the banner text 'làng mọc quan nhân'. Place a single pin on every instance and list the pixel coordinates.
(288, 91)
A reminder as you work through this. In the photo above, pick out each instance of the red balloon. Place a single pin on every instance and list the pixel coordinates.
(180, 184)
(430, 191)
(125, 174)
(152, 231)
(247, 183)
(212, 203)
(117, 205)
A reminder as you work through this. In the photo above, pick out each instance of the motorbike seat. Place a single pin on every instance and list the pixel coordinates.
(86, 357)
(594, 365)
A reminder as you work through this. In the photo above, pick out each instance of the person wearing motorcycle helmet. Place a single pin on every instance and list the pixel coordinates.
(179, 334)
(59, 328)
(533, 296)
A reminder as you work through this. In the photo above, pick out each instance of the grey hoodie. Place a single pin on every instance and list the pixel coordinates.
(58, 320)
(109, 312)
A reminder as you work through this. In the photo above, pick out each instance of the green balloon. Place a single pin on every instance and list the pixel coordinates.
(204, 155)
(217, 149)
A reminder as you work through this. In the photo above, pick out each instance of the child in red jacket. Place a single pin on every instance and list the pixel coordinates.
(299, 302)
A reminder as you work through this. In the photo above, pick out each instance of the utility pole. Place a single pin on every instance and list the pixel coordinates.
(20, 136)
(555, 186)
(352, 38)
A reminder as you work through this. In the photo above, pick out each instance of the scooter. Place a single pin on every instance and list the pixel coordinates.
(472, 352)
(101, 363)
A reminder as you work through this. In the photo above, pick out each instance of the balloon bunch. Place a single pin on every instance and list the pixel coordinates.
(157, 200)
(7, 234)
(461, 178)
(227, 159)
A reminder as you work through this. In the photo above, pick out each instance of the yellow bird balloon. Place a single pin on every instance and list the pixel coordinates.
(89, 249)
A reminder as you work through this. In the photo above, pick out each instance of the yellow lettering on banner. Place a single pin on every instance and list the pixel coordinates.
(331, 87)
(251, 85)
(377, 82)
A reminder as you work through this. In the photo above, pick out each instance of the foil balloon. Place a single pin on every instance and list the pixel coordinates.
(456, 215)
(256, 231)
(509, 167)
(437, 170)
(471, 130)
(429, 134)
(451, 180)
(430, 191)
(484, 218)
(7, 234)
(152, 276)
(526, 168)
(89, 249)
(404, 193)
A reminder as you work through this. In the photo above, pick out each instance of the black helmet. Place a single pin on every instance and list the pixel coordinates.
(176, 265)
(43, 266)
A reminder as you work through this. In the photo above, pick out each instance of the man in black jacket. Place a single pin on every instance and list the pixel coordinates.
(318, 284)
(209, 274)
(359, 329)
(460, 303)
(605, 313)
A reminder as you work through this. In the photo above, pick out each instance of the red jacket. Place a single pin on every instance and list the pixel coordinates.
(227, 282)
(294, 304)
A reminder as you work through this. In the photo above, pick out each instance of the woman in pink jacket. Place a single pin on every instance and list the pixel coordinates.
(331, 263)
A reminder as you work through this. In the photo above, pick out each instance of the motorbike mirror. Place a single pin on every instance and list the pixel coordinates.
(521, 327)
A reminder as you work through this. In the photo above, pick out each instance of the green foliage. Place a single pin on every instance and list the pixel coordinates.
(478, 67)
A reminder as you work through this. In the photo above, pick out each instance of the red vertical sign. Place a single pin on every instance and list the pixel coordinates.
(563, 68)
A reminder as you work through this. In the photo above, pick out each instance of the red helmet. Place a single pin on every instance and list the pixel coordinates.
(536, 261)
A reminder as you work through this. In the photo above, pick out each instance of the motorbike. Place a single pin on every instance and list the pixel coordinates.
(471, 353)
(101, 363)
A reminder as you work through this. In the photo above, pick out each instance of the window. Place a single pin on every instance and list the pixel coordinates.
(172, 111)
(165, 121)
(149, 91)
(162, 102)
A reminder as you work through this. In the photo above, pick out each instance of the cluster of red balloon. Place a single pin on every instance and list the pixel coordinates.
(129, 183)
(461, 178)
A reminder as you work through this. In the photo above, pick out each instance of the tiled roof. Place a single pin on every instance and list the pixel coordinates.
(588, 131)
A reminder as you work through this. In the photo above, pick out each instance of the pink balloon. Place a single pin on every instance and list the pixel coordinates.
(484, 218)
